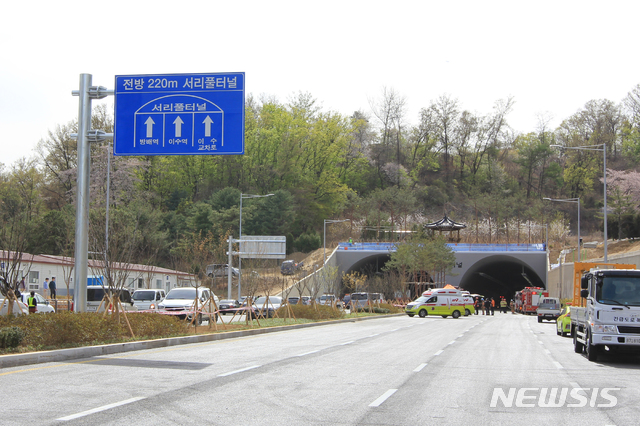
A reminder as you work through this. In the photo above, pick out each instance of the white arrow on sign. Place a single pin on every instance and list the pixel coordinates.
(178, 122)
(207, 126)
(149, 124)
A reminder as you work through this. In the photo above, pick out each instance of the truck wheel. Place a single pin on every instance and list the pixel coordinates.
(411, 315)
(444, 316)
(422, 313)
(577, 346)
(592, 350)
(455, 314)
(539, 319)
(199, 319)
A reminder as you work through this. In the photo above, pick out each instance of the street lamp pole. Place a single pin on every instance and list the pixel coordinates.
(324, 239)
(572, 200)
(242, 196)
(602, 148)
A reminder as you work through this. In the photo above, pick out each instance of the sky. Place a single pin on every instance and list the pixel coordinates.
(550, 56)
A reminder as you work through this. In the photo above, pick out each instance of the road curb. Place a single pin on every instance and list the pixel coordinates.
(60, 355)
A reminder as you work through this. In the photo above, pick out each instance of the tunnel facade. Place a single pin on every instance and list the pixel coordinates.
(491, 274)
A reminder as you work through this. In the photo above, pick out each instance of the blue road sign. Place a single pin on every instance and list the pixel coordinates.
(179, 114)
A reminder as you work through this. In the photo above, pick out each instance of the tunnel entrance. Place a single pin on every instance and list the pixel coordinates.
(498, 276)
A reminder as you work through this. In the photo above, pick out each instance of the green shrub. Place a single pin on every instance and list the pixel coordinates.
(11, 337)
(317, 312)
(375, 310)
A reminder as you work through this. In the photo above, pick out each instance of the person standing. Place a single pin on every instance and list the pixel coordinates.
(53, 287)
(477, 305)
(45, 287)
(32, 302)
(513, 306)
(503, 305)
(487, 305)
(493, 305)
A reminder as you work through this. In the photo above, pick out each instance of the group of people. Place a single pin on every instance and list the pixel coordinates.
(488, 305)
(32, 302)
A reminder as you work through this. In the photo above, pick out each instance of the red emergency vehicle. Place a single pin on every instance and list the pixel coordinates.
(530, 297)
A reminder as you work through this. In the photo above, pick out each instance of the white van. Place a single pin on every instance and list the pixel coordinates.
(95, 297)
(148, 299)
(441, 301)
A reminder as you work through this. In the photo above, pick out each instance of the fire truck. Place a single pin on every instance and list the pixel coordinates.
(530, 297)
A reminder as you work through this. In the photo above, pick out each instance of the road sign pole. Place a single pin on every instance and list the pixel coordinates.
(82, 203)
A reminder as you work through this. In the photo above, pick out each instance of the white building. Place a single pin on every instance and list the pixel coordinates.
(36, 268)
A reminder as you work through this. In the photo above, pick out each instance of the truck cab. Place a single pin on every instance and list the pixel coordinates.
(611, 318)
(549, 309)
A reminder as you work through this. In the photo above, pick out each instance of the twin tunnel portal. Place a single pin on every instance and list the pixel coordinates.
(492, 270)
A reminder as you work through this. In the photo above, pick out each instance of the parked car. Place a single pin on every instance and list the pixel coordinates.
(228, 306)
(148, 299)
(361, 300)
(221, 270)
(290, 267)
(305, 300)
(20, 309)
(563, 323)
(293, 300)
(42, 304)
(182, 299)
(262, 309)
(95, 298)
(327, 299)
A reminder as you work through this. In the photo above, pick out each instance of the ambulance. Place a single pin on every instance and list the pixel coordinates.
(443, 302)
(469, 309)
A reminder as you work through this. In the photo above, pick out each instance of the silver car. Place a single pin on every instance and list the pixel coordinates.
(182, 301)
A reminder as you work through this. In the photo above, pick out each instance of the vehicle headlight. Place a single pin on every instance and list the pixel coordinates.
(601, 328)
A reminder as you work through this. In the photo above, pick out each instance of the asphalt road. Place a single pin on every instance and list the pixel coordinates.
(478, 370)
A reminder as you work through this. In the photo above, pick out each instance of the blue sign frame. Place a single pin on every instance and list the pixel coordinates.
(179, 114)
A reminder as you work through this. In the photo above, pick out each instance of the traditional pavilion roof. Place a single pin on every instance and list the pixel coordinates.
(445, 224)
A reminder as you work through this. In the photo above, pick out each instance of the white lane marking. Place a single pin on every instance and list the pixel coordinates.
(374, 335)
(309, 353)
(383, 398)
(346, 343)
(438, 353)
(540, 342)
(420, 367)
(239, 371)
(452, 342)
(103, 408)
(547, 351)
(558, 365)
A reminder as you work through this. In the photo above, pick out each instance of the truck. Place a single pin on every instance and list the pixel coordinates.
(610, 321)
(548, 309)
(530, 297)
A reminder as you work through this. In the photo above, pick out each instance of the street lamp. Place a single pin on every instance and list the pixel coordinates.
(571, 200)
(602, 148)
(324, 240)
(242, 196)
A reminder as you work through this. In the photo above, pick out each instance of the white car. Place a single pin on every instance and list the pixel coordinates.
(148, 299)
(42, 304)
(20, 309)
(183, 299)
